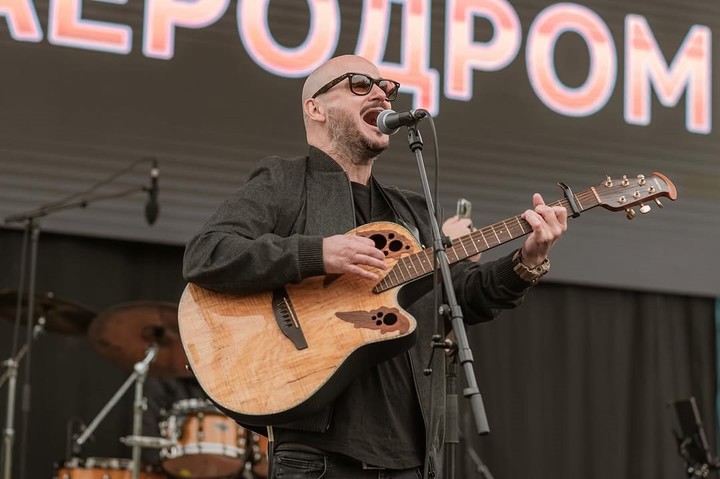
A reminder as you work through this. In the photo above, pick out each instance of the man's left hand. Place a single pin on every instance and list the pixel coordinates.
(548, 224)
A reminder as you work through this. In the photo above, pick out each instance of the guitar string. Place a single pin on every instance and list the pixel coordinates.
(584, 200)
(470, 240)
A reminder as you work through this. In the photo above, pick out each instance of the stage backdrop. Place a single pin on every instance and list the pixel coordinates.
(524, 94)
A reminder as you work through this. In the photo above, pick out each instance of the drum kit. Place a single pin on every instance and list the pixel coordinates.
(196, 440)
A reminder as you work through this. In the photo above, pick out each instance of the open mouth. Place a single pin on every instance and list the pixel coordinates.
(371, 117)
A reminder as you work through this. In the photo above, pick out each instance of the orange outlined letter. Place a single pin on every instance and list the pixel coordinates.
(689, 71)
(162, 16)
(462, 55)
(413, 72)
(66, 27)
(544, 32)
(252, 18)
(22, 20)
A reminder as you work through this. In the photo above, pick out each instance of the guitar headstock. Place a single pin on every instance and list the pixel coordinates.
(624, 193)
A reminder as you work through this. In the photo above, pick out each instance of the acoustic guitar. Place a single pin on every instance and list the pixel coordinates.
(272, 357)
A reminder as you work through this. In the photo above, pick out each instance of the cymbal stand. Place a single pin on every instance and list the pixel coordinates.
(10, 375)
(32, 232)
(138, 377)
(30, 237)
(12, 363)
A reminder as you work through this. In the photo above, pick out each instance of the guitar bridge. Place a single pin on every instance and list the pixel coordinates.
(287, 319)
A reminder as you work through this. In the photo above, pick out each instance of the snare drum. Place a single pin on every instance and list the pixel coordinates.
(101, 468)
(208, 443)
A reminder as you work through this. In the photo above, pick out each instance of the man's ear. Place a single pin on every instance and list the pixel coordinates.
(314, 109)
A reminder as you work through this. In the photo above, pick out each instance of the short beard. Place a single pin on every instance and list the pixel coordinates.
(349, 140)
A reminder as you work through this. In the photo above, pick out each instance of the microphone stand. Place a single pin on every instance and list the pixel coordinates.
(452, 309)
(32, 234)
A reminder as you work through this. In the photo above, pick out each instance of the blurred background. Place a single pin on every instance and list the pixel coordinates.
(578, 382)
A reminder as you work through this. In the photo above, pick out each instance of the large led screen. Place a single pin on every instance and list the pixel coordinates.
(524, 94)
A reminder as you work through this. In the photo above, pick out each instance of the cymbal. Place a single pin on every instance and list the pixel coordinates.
(61, 316)
(124, 332)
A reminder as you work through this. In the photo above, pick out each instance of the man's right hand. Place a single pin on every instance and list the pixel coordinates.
(346, 253)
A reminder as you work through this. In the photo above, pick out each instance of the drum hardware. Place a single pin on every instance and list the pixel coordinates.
(138, 377)
(259, 457)
(144, 336)
(147, 442)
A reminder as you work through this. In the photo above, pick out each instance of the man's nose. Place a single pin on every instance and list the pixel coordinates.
(377, 93)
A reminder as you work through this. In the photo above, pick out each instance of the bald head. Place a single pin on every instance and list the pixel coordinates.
(333, 68)
(340, 123)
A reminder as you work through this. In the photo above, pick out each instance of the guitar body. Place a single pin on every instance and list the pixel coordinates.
(254, 372)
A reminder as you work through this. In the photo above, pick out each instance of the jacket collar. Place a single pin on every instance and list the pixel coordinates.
(318, 160)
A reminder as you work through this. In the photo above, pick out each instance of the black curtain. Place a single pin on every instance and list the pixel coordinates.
(575, 382)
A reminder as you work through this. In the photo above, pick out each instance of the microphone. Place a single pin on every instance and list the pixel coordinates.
(152, 207)
(389, 122)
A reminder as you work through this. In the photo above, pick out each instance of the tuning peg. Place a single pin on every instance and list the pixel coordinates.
(630, 213)
(657, 202)
(644, 208)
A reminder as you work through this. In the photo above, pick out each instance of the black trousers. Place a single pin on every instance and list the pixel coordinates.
(292, 464)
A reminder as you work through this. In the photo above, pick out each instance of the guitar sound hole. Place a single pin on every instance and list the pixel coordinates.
(395, 245)
(380, 241)
(390, 319)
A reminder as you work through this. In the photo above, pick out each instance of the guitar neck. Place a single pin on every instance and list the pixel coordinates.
(414, 266)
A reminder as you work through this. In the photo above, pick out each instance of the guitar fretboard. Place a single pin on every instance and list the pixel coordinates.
(419, 264)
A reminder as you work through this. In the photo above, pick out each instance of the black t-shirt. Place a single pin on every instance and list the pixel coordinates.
(377, 419)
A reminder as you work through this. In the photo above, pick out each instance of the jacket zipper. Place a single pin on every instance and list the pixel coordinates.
(431, 467)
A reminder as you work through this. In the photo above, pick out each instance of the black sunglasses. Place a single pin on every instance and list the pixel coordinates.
(361, 84)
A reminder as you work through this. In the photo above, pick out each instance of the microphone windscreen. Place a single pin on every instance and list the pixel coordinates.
(381, 122)
(152, 210)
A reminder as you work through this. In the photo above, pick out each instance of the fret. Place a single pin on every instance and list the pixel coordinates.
(402, 260)
(402, 275)
(507, 230)
(429, 260)
(579, 203)
(412, 262)
(462, 243)
(482, 234)
(393, 272)
(495, 233)
(474, 244)
(517, 218)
